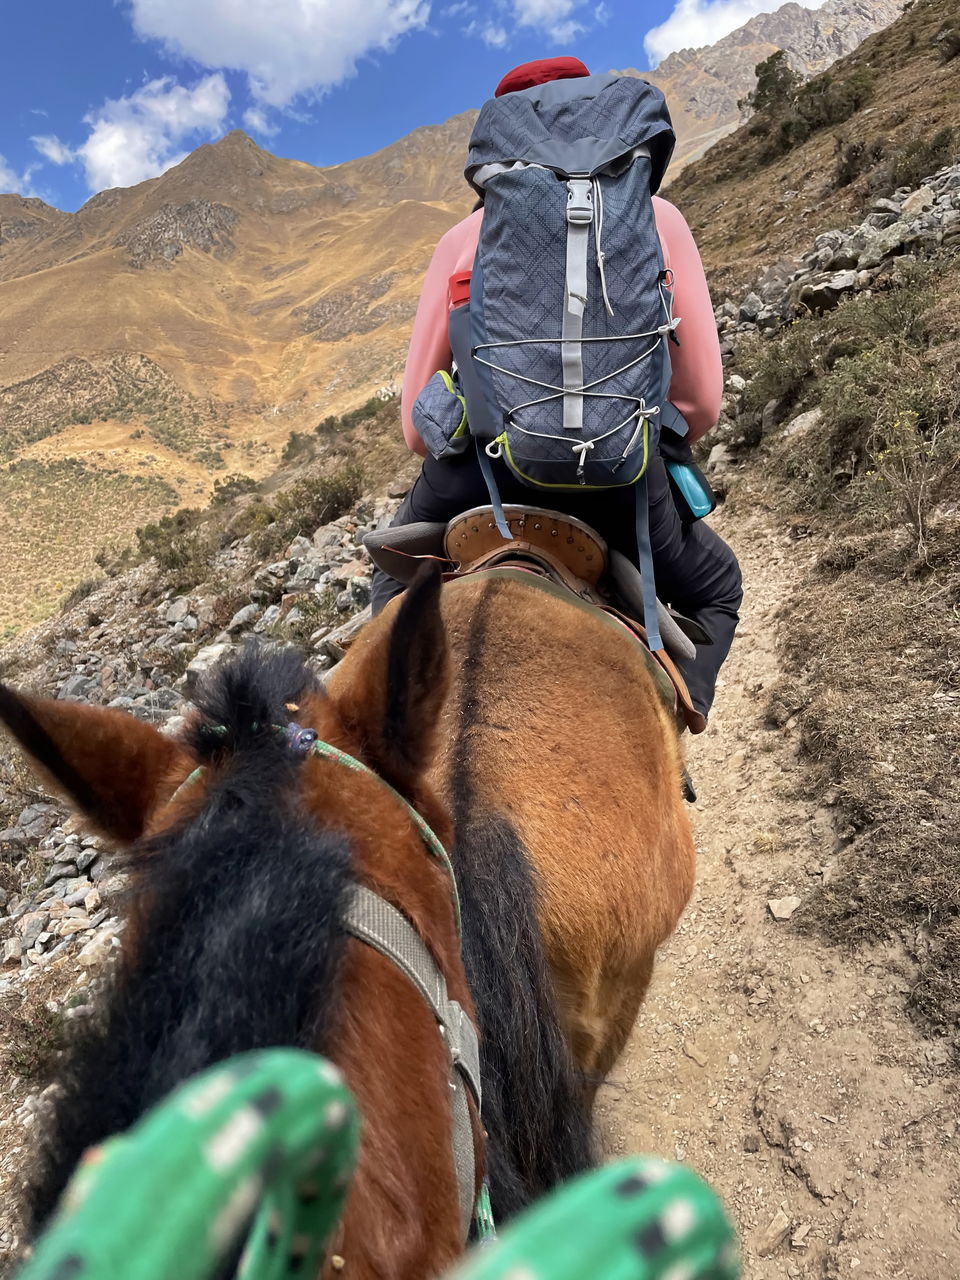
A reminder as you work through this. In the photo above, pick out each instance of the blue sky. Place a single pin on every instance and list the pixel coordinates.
(96, 94)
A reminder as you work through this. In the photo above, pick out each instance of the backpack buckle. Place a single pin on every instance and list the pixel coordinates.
(580, 201)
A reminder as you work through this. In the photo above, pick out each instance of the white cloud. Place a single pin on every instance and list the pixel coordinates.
(20, 184)
(52, 149)
(286, 47)
(491, 33)
(494, 35)
(140, 136)
(552, 17)
(258, 121)
(694, 23)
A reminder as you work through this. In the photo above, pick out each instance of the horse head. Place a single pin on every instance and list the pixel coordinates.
(249, 838)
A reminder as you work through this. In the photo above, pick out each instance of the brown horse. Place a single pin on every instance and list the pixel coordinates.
(553, 730)
(235, 936)
(561, 767)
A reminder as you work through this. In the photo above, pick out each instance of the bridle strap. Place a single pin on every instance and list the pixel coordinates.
(379, 924)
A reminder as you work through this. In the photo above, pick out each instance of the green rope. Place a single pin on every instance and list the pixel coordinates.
(269, 1137)
(430, 840)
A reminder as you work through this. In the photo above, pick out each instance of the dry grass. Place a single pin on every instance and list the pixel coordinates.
(53, 520)
(872, 644)
(878, 647)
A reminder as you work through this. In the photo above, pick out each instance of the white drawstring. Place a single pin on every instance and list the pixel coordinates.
(583, 448)
(598, 207)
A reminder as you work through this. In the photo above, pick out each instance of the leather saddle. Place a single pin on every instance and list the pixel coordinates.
(559, 548)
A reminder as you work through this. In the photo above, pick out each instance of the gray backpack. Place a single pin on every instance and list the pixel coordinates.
(562, 349)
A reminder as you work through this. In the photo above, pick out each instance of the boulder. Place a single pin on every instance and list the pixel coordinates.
(177, 611)
(243, 618)
(720, 460)
(803, 424)
(917, 201)
(882, 244)
(207, 657)
(76, 687)
(335, 645)
(824, 295)
(750, 308)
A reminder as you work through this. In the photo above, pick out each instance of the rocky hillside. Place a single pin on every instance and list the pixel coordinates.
(883, 117)
(705, 86)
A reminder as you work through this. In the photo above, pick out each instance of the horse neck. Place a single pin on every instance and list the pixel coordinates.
(402, 1217)
(507, 663)
(402, 1213)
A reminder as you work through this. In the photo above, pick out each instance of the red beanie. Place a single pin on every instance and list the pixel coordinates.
(540, 72)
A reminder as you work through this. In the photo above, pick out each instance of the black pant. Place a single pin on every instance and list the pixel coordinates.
(696, 571)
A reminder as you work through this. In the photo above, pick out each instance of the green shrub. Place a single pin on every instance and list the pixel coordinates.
(820, 103)
(299, 445)
(887, 408)
(917, 159)
(781, 370)
(314, 611)
(181, 545)
(230, 488)
(855, 159)
(777, 85)
(369, 409)
(303, 508)
(79, 592)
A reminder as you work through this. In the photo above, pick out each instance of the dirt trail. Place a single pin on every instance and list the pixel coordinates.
(782, 1070)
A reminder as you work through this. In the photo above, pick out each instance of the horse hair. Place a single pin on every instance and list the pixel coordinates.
(238, 937)
(538, 1126)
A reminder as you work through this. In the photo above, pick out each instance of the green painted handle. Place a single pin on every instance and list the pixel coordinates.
(268, 1138)
(261, 1149)
(640, 1219)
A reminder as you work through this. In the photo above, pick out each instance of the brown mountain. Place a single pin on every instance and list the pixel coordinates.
(246, 276)
(704, 86)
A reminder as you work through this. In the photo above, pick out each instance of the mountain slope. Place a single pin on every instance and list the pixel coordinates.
(216, 267)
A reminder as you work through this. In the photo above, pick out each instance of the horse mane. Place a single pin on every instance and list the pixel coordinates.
(237, 939)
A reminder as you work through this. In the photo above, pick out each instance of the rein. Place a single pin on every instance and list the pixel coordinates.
(373, 920)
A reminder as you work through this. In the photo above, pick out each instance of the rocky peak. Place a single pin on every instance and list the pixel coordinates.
(162, 237)
(704, 86)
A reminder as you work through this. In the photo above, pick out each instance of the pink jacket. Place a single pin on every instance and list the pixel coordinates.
(697, 383)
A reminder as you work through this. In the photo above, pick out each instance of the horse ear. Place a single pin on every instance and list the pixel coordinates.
(110, 765)
(390, 688)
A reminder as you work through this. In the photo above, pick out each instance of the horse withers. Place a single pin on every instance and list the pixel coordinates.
(245, 853)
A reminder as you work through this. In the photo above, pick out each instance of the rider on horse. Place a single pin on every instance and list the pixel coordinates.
(695, 570)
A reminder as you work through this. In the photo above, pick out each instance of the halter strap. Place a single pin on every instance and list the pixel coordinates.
(427, 834)
(380, 925)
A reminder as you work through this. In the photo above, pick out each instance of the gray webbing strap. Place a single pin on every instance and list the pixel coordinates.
(651, 620)
(374, 921)
(579, 217)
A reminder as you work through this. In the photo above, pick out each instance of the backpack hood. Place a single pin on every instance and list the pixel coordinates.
(578, 125)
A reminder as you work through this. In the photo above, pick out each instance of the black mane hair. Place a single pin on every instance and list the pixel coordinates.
(534, 1109)
(240, 941)
(534, 1096)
